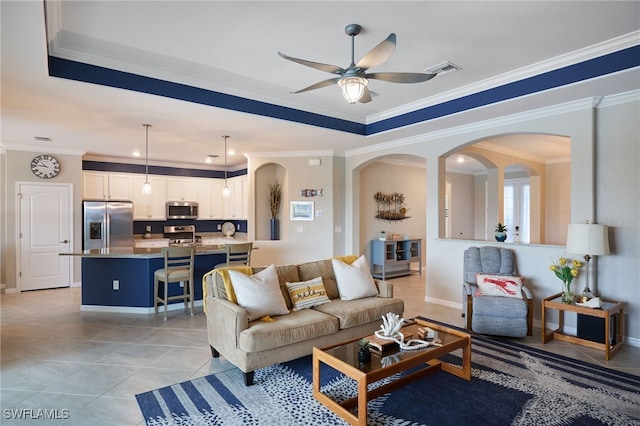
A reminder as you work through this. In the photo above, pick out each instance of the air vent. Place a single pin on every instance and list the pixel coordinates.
(42, 139)
(443, 68)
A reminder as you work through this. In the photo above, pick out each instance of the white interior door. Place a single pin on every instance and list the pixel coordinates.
(45, 231)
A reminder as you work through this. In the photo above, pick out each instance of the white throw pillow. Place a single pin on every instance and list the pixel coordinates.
(354, 281)
(307, 294)
(499, 285)
(259, 293)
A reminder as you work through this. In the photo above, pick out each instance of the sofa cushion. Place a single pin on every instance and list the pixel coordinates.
(352, 313)
(499, 285)
(259, 294)
(285, 273)
(320, 268)
(355, 280)
(307, 294)
(287, 329)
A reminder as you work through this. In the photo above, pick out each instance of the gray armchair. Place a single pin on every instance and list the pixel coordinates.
(501, 316)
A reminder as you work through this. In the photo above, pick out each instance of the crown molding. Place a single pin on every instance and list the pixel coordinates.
(289, 154)
(580, 55)
(620, 98)
(40, 148)
(481, 125)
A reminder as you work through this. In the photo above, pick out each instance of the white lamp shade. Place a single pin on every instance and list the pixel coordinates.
(588, 238)
(352, 88)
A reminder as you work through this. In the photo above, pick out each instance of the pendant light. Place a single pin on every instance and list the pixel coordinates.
(225, 190)
(146, 188)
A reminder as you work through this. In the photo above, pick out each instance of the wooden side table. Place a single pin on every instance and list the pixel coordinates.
(610, 311)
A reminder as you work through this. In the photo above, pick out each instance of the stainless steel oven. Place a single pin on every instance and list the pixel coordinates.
(182, 210)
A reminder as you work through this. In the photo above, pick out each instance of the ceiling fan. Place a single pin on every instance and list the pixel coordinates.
(354, 80)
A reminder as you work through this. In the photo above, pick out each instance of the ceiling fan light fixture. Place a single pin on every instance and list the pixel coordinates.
(353, 87)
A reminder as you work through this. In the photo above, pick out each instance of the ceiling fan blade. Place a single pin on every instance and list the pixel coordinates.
(378, 54)
(319, 85)
(366, 96)
(401, 77)
(333, 69)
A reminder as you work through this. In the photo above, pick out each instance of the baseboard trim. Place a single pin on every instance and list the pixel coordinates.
(133, 309)
(443, 302)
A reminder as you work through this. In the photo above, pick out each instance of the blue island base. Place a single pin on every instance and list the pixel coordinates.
(134, 276)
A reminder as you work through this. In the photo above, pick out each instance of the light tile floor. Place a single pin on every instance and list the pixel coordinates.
(55, 357)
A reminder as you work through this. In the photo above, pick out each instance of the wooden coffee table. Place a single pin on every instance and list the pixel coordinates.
(344, 358)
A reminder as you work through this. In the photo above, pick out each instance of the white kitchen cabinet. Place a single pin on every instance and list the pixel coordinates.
(95, 186)
(210, 198)
(149, 206)
(106, 186)
(236, 205)
(182, 189)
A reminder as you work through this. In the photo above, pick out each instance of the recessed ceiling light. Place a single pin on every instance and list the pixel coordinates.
(210, 158)
(460, 159)
(231, 152)
(136, 153)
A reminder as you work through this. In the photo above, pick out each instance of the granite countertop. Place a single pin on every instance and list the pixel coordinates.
(139, 252)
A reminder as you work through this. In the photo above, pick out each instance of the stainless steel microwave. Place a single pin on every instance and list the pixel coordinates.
(182, 210)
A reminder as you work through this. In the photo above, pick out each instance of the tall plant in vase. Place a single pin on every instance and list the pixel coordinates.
(275, 197)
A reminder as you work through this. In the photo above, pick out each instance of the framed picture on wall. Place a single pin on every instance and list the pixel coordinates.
(302, 210)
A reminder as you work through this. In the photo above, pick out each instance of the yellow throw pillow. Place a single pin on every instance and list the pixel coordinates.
(348, 259)
(228, 287)
(307, 294)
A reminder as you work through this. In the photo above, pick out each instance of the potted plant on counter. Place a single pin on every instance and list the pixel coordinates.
(501, 232)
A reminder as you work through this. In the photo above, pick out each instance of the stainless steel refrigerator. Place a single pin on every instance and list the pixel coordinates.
(107, 224)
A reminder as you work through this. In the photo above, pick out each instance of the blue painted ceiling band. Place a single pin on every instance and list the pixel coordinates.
(592, 68)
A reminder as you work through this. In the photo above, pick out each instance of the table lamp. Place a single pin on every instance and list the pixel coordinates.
(589, 239)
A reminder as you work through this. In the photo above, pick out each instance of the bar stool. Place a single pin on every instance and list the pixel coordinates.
(178, 267)
(237, 254)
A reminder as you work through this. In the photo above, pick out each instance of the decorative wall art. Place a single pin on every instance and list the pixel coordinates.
(390, 206)
(310, 192)
(302, 210)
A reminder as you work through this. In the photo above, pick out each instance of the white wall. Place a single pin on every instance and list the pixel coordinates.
(301, 241)
(615, 167)
(618, 205)
(17, 168)
(390, 177)
(462, 206)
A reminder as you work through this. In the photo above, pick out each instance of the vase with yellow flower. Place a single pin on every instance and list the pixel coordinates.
(566, 270)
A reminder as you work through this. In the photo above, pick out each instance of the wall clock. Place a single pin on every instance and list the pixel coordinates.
(45, 166)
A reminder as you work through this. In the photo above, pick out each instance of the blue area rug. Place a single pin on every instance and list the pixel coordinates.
(511, 385)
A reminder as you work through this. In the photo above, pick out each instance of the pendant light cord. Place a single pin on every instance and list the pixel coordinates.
(146, 155)
(225, 160)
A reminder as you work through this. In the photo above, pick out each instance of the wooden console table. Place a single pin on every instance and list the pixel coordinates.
(610, 311)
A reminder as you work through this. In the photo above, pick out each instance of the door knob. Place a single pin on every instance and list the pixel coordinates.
(64, 241)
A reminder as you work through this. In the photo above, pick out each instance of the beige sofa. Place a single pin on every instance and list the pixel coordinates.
(257, 344)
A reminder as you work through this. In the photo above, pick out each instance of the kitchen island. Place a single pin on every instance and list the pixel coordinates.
(120, 279)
